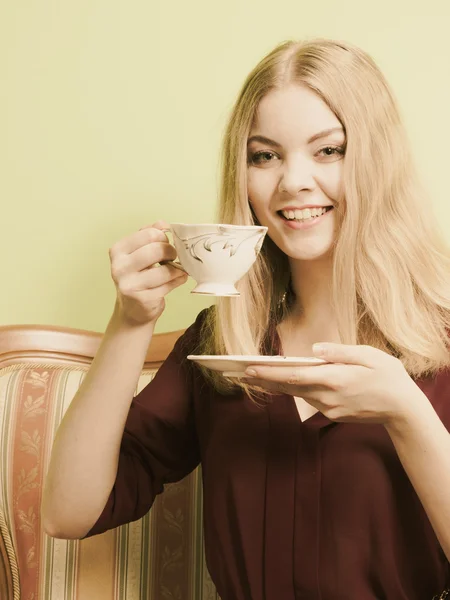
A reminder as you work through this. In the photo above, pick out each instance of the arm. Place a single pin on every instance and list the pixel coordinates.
(159, 443)
(85, 452)
(112, 456)
(423, 445)
(341, 390)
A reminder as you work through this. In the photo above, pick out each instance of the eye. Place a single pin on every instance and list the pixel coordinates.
(262, 157)
(330, 151)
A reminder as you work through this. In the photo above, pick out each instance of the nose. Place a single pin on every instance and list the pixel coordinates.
(296, 176)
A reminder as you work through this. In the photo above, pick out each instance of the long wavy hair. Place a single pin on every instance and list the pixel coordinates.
(390, 285)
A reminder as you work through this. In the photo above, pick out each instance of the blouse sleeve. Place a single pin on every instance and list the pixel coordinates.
(159, 443)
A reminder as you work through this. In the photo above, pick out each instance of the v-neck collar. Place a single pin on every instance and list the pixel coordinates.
(272, 346)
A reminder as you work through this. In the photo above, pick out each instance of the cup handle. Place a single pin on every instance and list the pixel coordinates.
(172, 263)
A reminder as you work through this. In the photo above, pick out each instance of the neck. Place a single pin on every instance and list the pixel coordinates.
(312, 311)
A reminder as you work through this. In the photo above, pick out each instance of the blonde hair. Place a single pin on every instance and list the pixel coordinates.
(390, 285)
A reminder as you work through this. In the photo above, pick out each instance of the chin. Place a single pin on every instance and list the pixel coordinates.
(304, 250)
(310, 256)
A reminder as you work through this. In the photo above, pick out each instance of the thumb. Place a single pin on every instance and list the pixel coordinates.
(347, 354)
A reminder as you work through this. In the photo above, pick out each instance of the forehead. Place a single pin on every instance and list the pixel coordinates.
(292, 112)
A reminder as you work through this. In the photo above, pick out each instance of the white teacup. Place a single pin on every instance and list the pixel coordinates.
(217, 256)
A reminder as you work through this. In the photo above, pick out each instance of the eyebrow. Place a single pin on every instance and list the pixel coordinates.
(317, 136)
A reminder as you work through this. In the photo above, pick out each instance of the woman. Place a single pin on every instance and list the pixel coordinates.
(324, 482)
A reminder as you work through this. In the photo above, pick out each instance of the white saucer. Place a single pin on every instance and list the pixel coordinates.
(235, 366)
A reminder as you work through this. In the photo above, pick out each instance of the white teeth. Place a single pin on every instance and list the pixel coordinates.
(302, 215)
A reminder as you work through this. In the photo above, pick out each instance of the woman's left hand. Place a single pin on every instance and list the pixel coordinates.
(361, 383)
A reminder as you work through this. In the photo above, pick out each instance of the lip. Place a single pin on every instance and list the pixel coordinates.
(306, 224)
(305, 206)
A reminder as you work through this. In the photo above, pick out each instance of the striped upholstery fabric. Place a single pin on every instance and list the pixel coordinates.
(159, 557)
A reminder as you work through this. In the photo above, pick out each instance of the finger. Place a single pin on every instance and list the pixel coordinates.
(177, 265)
(366, 356)
(146, 292)
(162, 225)
(276, 387)
(149, 255)
(141, 259)
(318, 375)
(163, 290)
(140, 238)
(155, 278)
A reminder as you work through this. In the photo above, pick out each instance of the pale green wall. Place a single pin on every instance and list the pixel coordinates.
(111, 115)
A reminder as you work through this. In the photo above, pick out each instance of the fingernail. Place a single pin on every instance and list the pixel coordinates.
(250, 372)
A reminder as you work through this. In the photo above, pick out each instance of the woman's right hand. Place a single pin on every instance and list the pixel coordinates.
(141, 285)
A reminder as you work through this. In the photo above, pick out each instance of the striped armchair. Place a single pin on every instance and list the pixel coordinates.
(159, 557)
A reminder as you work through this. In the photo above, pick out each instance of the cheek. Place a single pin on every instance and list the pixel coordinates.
(332, 182)
(260, 186)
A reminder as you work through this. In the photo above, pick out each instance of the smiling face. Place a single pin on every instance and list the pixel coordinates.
(295, 160)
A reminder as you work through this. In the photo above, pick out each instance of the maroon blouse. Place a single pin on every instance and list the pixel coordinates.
(315, 510)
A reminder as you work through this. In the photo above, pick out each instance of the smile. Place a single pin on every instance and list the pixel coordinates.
(305, 219)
